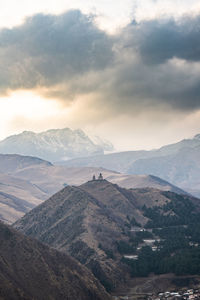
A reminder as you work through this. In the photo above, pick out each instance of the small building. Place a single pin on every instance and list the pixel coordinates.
(154, 248)
(134, 257)
(149, 241)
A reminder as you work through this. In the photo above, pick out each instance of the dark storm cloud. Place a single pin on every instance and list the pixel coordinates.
(150, 64)
(49, 49)
(135, 86)
(160, 40)
(162, 65)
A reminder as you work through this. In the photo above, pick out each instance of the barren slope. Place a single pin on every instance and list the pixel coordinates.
(31, 270)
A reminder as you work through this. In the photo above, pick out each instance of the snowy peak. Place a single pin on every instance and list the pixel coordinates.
(105, 144)
(53, 144)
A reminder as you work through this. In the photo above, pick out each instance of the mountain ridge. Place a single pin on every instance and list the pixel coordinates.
(33, 180)
(184, 157)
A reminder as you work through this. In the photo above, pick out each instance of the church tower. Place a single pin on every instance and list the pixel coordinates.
(100, 176)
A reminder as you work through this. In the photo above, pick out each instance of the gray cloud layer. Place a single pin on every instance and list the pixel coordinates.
(160, 40)
(48, 49)
(153, 63)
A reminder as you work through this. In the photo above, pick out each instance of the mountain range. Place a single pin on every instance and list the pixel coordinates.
(27, 181)
(177, 163)
(30, 270)
(54, 144)
(93, 223)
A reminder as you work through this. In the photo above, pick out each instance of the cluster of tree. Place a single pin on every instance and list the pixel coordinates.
(133, 222)
(178, 211)
(193, 231)
(172, 239)
(124, 247)
(144, 235)
(159, 219)
(182, 262)
(130, 246)
(109, 252)
(177, 224)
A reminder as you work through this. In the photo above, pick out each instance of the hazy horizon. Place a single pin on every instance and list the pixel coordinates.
(115, 150)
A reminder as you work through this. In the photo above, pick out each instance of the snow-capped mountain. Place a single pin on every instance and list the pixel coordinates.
(105, 144)
(52, 145)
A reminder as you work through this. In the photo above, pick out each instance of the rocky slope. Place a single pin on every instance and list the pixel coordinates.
(30, 270)
(53, 145)
(90, 222)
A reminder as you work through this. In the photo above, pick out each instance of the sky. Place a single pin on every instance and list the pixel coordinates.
(127, 71)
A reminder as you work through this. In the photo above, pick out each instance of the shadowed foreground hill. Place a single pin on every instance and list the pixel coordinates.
(93, 221)
(31, 270)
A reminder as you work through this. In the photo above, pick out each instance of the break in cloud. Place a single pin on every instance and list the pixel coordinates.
(153, 63)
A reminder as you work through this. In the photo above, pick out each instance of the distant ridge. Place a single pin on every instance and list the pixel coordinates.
(13, 162)
(178, 163)
(27, 181)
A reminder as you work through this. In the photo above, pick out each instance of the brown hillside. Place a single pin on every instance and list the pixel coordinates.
(31, 270)
(89, 221)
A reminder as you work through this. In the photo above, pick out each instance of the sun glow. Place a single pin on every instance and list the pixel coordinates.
(25, 108)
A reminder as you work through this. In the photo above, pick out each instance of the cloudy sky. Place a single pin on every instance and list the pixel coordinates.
(128, 71)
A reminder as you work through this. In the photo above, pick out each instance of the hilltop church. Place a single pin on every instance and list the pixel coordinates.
(100, 177)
